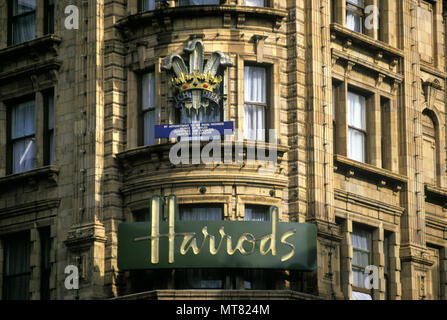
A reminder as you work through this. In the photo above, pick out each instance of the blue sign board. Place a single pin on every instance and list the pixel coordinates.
(206, 129)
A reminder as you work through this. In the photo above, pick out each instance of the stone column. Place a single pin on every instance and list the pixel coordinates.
(132, 110)
(40, 18)
(35, 264)
(347, 279)
(394, 267)
(39, 129)
(132, 6)
(3, 24)
(3, 139)
(378, 260)
(1, 268)
(339, 12)
(374, 131)
(341, 118)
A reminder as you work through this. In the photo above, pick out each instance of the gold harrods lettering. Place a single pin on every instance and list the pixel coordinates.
(267, 243)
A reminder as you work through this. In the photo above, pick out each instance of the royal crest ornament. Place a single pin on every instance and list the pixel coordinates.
(195, 88)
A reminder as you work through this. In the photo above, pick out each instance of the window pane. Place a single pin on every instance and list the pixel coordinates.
(23, 6)
(50, 108)
(361, 296)
(16, 273)
(254, 84)
(49, 14)
(148, 86)
(45, 245)
(257, 213)
(23, 154)
(22, 120)
(356, 148)
(198, 2)
(356, 111)
(353, 22)
(254, 3)
(201, 212)
(148, 5)
(361, 239)
(149, 128)
(24, 28)
(254, 122)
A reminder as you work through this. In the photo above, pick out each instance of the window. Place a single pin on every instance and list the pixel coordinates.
(22, 137)
(197, 278)
(45, 263)
(16, 274)
(201, 212)
(49, 16)
(257, 279)
(49, 127)
(254, 3)
(255, 112)
(198, 2)
(355, 11)
(22, 23)
(257, 213)
(356, 127)
(429, 148)
(361, 244)
(148, 108)
(147, 5)
(143, 215)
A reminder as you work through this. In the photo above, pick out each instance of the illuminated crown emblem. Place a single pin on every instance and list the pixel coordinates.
(196, 81)
(195, 87)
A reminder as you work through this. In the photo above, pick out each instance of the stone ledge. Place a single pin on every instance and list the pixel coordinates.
(363, 39)
(437, 195)
(31, 207)
(368, 202)
(219, 295)
(31, 69)
(351, 168)
(133, 21)
(44, 43)
(49, 172)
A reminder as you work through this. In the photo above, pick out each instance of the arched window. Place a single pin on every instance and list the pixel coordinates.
(429, 148)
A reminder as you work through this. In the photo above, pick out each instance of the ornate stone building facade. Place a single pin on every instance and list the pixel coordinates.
(357, 104)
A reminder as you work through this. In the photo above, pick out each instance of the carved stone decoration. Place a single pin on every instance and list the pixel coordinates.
(430, 90)
(349, 67)
(199, 78)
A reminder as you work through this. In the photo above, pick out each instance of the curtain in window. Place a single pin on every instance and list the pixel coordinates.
(22, 134)
(50, 128)
(255, 94)
(148, 5)
(360, 240)
(148, 106)
(254, 3)
(198, 2)
(357, 124)
(17, 267)
(354, 20)
(24, 20)
(257, 213)
(205, 212)
(361, 296)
